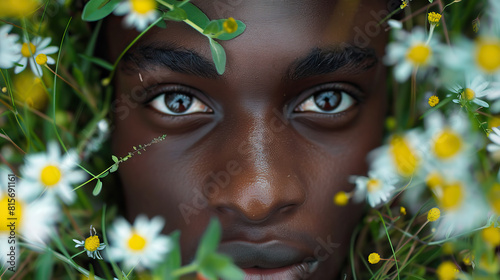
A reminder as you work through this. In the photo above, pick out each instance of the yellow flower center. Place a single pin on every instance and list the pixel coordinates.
(17, 8)
(491, 235)
(92, 243)
(433, 101)
(406, 161)
(341, 198)
(9, 210)
(434, 18)
(488, 56)
(468, 94)
(373, 185)
(28, 51)
(136, 242)
(419, 54)
(433, 214)
(452, 196)
(230, 25)
(447, 271)
(143, 6)
(447, 144)
(41, 59)
(374, 258)
(50, 175)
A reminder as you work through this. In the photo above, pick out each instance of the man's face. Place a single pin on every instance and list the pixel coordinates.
(263, 147)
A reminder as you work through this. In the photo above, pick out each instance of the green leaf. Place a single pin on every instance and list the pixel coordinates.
(162, 24)
(209, 241)
(101, 62)
(196, 15)
(229, 36)
(114, 158)
(98, 188)
(212, 28)
(218, 56)
(177, 14)
(98, 9)
(217, 266)
(114, 168)
(104, 175)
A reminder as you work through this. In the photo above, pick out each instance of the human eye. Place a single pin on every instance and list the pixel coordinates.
(176, 101)
(327, 100)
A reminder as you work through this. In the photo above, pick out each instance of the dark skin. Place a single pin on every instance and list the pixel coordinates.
(264, 147)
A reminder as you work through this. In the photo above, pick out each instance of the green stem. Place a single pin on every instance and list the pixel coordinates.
(390, 243)
(93, 178)
(79, 253)
(190, 268)
(189, 22)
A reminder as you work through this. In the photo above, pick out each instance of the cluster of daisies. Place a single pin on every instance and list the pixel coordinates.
(444, 164)
(45, 188)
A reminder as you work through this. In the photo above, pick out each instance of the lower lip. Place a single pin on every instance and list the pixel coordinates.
(292, 272)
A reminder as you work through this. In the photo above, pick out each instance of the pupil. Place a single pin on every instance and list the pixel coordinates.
(328, 100)
(178, 102)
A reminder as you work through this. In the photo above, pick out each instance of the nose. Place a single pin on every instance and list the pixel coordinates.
(266, 186)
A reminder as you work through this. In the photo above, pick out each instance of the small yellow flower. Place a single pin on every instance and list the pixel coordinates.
(433, 214)
(433, 101)
(341, 198)
(91, 245)
(41, 59)
(434, 18)
(447, 271)
(4, 89)
(403, 5)
(491, 235)
(230, 25)
(402, 210)
(374, 258)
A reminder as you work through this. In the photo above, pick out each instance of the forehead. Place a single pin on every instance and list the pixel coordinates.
(276, 29)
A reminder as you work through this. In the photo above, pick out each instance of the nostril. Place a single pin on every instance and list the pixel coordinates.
(287, 208)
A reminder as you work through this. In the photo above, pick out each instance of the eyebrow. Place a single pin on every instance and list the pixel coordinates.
(348, 58)
(175, 58)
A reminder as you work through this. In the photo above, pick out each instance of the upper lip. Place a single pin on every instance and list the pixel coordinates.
(272, 254)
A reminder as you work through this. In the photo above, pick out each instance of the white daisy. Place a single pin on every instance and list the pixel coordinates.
(478, 57)
(30, 50)
(33, 216)
(140, 13)
(141, 245)
(472, 91)
(450, 142)
(375, 188)
(91, 245)
(462, 207)
(9, 48)
(410, 51)
(54, 173)
(401, 157)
